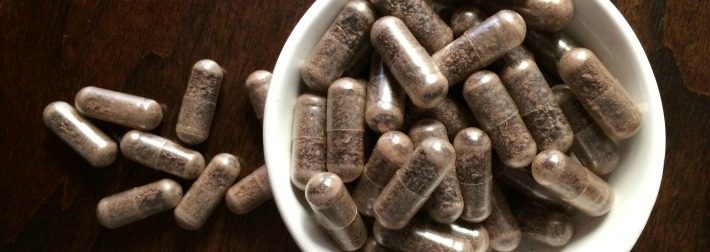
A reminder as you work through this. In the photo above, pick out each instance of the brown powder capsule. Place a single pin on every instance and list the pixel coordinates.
(200, 102)
(502, 228)
(412, 185)
(308, 153)
(249, 192)
(339, 45)
(521, 181)
(391, 152)
(257, 85)
(119, 108)
(473, 167)
(335, 210)
(454, 116)
(371, 245)
(600, 93)
(346, 128)
(138, 203)
(207, 192)
(495, 110)
(419, 236)
(384, 108)
(465, 18)
(425, 128)
(591, 146)
(476, 234)
(162, 154)
(538, 14)
(573, 183)
(410, 64)
(538, 107)
(549, 47)
(480, 46)
(542, 225)
(420, 18)
(80, 134)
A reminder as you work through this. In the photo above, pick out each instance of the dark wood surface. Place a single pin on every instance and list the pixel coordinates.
(51, 49)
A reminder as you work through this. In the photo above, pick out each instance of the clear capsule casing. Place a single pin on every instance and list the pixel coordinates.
(385, 104)
(475, 233)
(250, 192)
(308, 148)
(543, 225)
(522, 181)
(162, 154)
(138, 203)
(474, 171)
(419, 236)
(421, 19)
(257, 85)
(501, 225)
(345, 128)
(200, 102)
(119, 108)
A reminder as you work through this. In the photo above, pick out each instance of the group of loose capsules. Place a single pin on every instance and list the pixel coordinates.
(529, 125)
(212, 183)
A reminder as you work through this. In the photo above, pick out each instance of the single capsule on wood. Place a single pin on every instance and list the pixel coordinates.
(250, 192)
(119, 108)
(162, 154)
(138, 203)
(538, 14)
(419, 236)
(384, 109)
(257, 85)
(502, 228)
(473, 167)
(420, 18)
(308, 154)
(543, 225)
(345, 130)
(200, 102)
(80, 134)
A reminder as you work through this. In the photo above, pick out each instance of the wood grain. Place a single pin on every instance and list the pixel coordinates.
(50, 49)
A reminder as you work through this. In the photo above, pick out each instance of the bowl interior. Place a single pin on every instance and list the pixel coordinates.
(597, 25)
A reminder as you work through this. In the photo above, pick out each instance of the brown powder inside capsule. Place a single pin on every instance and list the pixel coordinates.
(421, 19)
(250, 192)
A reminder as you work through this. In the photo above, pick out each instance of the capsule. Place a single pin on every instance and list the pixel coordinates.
(495, 110)
(502, 228)
(549, 47)
(521, 181)
(573, 183)
(476, 234)
(371, 245)
(390, 153)
(339, 45)
(519, 53)
(250, 192)
(426, 26)
(410, 64)
(80, 134)
(538, 14)
(335, 210)
(162, 154)
(384, 108)
(426, 128)
(199, 103)
(308, 153)
(346, 128)
(207, 192)
(480, 46)
(119, 108)
(257, 85)
(542, 225)
(419, 236)
(454, 116)
(412, 185)
(591, 146)
(138, 203)
(538, 107)
(600, 93)
(465, 18)
(473, 167)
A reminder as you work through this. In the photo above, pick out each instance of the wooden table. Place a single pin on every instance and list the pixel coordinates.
(51, 49)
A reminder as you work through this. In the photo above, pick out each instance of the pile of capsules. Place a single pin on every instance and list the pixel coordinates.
(212, 183)
(433, 189)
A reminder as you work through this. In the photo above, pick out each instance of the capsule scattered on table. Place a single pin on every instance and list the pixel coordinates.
(200, 102)
(339, 45)
(538, 14)
(498, 115)
(118, 108)
(426, 26)
(549, 47)
(345, 130)
(138, 203)
(80, 134)
(207, 192)
(412, 185)
(335, 210)
(473, 167)
(384, 109)
(501, 225)
(600, 93)
(543, 225)
(410, 64)
(250, 192)
(454, 116)
(480, 46)
(308, 153)
(464, 18)
(257, 85)
(522, 181)
(538, 106)
(476, 234)
(419, 236)
(591, 146)
(573, 183)
(391, 152)
(162, 154)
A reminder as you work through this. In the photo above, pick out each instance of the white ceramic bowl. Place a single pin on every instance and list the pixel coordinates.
(597, 25)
